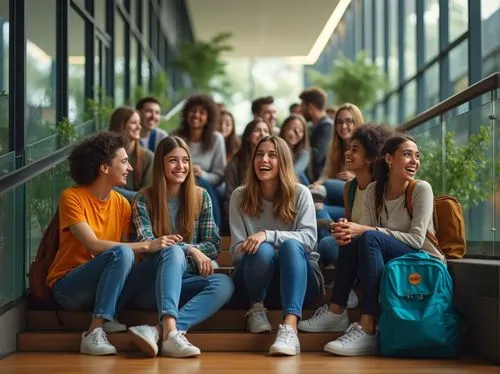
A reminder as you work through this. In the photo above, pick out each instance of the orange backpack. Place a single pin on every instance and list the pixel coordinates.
(448, 221)
(40, 295)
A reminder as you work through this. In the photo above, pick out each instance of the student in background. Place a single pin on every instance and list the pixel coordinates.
(127, 122)
(150, 109)
(179, 280)
(228, 130)
(385, 231)
(94, 259)
(264, 108)
(208, 156)
(294, 132)
(273, 235)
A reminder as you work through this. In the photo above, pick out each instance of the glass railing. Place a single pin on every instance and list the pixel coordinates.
(460, 148)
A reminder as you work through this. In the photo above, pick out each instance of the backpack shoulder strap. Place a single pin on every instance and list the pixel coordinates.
(409, 196)
(152, 140)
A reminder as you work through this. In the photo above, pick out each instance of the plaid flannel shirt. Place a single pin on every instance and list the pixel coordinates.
(206, 233)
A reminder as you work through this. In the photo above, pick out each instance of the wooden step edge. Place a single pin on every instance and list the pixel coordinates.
(206, 341)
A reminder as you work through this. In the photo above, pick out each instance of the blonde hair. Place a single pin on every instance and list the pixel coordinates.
(304, 143)
(117, 123)
(189, 196)
(284, 201)
(335, 157)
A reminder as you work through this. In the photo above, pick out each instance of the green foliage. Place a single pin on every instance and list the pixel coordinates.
(159, 89)
(67, 132)
(467, 169)
(357, 82)
(170, 124)
(101, 109)
(202, 61)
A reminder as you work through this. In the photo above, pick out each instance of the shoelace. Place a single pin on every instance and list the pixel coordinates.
(180, 339)
(100, 338)
(353, 332)
(319, 313)
(258, 313)
(284, 335)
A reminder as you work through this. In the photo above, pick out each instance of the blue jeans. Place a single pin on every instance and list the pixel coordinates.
(287, 271)
(96, 284)
(214, 196)
(365, 258)
(160, 282)
(334, 200)
(328, 250)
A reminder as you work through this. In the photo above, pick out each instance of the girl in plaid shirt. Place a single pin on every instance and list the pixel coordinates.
(179, 280)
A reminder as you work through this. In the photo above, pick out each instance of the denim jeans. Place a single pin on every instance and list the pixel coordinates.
(96, 284)
(215, 197)
(334, 200)
(365, 258)
(286, 273)
(160, 282)
(328, 250)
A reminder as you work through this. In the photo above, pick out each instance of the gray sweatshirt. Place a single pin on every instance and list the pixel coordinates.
(303, 228)
(212, 161)
(394, 220)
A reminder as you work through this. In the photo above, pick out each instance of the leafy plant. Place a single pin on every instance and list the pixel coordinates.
(100, 110)
(159, 90)
(202, 61)
(466, 168)
(357, 82)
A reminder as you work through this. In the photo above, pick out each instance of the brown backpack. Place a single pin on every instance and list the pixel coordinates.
(40, 295)
(448, 221)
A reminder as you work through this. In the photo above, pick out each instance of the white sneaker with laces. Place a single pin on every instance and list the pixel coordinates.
(96, 343)
(113, 326)
(146, 338)
(325, 321)
(178, 346)
(286, 343)
(355, 342)
(257, 319)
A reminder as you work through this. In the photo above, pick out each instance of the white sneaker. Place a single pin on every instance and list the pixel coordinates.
(257, 319)
(178, 346)
(96, 343)
(146, 338)
(323, 320)
(355, 342)
(113, 326)
(286, 343)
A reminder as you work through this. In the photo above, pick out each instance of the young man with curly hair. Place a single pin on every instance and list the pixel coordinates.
(93, 259)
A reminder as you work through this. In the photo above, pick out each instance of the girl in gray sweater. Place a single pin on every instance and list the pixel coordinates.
(273, 236)
(385, 231)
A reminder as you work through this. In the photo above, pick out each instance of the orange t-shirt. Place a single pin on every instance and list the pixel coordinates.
(109, 220)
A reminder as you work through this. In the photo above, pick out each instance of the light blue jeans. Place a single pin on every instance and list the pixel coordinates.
(328, 250)
(96, 284)
(161, 282)
(288, 269)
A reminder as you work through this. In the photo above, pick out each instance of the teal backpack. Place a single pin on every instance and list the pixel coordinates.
(418, 316)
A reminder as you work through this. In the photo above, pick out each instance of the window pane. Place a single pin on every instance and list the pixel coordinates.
(379, 33)
(133, 67)
(410, 38)
(458, 13)
(119, 61)
(490, 29)
(410, 101)
(431, 28)
(40, 69)
(145, 72)
(393, 111)
(100, 13)
(459, 67)
(393, 43)
(145, 21)
(431, 84)
(76, 66)
(367, 24)
(4, 77)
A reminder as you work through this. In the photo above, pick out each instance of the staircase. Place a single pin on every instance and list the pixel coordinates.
(60, 331)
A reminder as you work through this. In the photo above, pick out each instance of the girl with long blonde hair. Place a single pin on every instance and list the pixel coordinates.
(179, 280)
(330, 185)
(127, 121)
(273, 236)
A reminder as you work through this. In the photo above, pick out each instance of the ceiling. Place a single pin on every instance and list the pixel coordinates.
(266, 28)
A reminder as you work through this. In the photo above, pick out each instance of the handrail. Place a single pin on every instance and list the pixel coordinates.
(485, 85)
(26, 173)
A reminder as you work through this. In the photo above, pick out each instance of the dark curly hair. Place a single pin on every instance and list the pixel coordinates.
(207, 103)
(372, 137)
(92, 152)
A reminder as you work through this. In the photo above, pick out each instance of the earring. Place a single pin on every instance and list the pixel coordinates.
(389, 165)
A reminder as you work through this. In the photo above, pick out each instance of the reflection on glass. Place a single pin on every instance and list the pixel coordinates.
(459, 67)
(393, 43)
(367, 24)
(145, 72)
(119, 61)
(431, 28)
(145, 21)
(490, 42)
(410, 101)
(4, 78)
(410, 45)
(431, 79)
(76, 72)
(458, 20)
(133, 68)
(393, 111)
(40, 69)
(100, 13)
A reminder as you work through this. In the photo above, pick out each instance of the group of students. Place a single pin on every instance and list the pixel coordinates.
(170, 265)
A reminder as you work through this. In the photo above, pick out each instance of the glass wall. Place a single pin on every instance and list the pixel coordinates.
(4, 78)
(76, 68)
